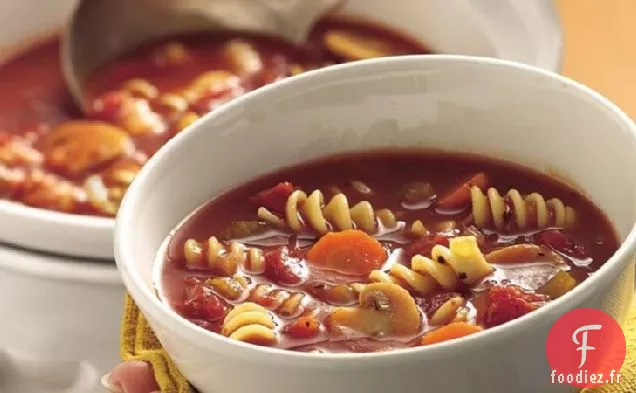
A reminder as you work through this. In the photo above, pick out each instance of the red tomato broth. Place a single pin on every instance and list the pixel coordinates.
(36, 102)
(508, 293)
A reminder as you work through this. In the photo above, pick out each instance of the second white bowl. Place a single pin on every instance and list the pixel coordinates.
(525, 31)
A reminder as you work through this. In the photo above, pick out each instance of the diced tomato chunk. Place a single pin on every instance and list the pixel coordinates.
(202, 303)
(282, 268)
(425, 245)
(108, 106)
(507, 303)
(304, 327)
(562, 243)
(554, 239)
(275, 198)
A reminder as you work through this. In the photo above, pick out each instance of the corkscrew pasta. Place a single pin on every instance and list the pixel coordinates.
(333, 273)
(232, 288)
(251, 323)
(407, 278)
(461, 261)
(527, 212)
(447, 311)
(302, 211)
(284, 303)
(337, 294)
(225, 258)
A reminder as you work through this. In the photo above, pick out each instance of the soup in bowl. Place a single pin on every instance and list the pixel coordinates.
(380, 224)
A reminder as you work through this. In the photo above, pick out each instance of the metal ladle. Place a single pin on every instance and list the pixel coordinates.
(99, 31)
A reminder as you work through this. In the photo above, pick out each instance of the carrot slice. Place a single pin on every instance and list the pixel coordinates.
(460, 196)
(349, 252)
(450, 332)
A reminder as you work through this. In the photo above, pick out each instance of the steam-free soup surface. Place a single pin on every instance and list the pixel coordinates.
(380, 251)
(54, 157)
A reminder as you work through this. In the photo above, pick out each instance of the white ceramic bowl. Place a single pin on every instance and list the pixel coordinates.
(61, 322)
(463, 104)
(515, 30)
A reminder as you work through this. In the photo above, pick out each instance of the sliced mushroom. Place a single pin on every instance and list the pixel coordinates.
(385, 309)
(524, 253)
(76, 146)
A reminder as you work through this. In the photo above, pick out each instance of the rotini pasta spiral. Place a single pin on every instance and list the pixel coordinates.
(418, 230)
(406, 278)
(252, 323)
(337, 294)
(462, 260)
(286, 304)
(524, 212)
(302, 211)
(225, 258)
(447, 311)
(231, 288)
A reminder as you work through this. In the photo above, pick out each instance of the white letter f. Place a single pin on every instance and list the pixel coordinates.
(584, 347)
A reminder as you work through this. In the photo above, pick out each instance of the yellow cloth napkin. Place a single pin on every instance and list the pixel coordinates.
(138, 342)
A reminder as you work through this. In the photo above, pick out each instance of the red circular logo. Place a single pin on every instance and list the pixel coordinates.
(586, 348)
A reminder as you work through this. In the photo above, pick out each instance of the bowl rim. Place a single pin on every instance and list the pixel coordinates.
(149, 303)
(95, 228)
(84, 221)
(58, 268)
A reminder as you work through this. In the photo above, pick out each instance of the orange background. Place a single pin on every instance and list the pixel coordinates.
(600, 47)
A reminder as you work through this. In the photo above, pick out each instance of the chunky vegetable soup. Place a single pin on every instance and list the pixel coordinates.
(382, 250)
(54, 157)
